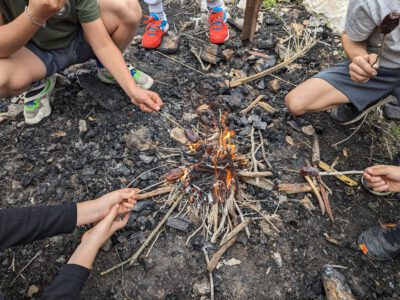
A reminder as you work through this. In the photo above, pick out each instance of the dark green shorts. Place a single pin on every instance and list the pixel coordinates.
(57, 60)
(363, 94)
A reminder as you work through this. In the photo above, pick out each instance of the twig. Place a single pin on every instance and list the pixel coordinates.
(160, 191)
(132, 259)
(252, 105)
(300, 53)
(254, 174)
(146, 173)
(217, 255)
(198, 58)
(27, 265)
(253, 154)
(235, 231)
(262, 215)
(152, 244)
(170, 119)
(185, 65)
(210, 275)
(264, 155)
(353, 133)
(316, 193)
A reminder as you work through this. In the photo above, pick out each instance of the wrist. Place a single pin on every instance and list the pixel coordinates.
(34, 18)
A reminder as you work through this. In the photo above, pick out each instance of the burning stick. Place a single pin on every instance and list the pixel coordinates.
(314, 172)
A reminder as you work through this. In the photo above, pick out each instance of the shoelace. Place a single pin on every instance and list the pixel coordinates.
(153, 25)
(217, 19)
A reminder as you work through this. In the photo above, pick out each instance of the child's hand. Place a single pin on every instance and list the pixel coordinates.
(147, 101)
(103, 230)
(360, 68)
(383, 178)
(42, 10)
(93, 211)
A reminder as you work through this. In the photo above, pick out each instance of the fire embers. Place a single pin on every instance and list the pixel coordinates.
(210, 174)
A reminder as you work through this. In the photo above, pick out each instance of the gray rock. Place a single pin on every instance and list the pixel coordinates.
(261, 84)
(139, 139)
(235, 100)
(266, 44)
(260, 125)
(82, 126)
(188, 117)
(244, 120)
(142, 205)
(201, 287)
(148, 263)
(146, 159)
(122, 169)
(179, 223)
(170, 44)
(254, 118)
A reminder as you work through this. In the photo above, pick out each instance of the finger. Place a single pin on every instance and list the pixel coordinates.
(384, 188)
(356, 69)
(152, 101)
(379, 170)
(379, 184)
(375, 179)
(373, 60)
(144, 108)
(357, 78)
(364, 64)
(116, 225)
(112, 214)
(156, 98)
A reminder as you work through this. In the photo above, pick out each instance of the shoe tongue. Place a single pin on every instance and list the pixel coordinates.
(217, 9)
(155, 16)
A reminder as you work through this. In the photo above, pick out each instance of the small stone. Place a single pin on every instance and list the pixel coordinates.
(146, 159)
(201, 287)
(21, 124)
(278, 259)
(228, 53)
(139, 139)
(188, 117)
(274, 85)
(137, 39)
(178, 134)
(142, 205)
(210, 54)
(179, 223)
(261, 84)
(33, 289)
(281, 50)
(260, 125)
(82, 126)
(244, 121)
(235, 100)
(170, 44)
(148, 263)
(121, 239)
(266, 44)
(122, 169)
(254, 118)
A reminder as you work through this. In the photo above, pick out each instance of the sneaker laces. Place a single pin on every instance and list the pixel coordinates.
(217, 19)
(392, 234)
(153, 25)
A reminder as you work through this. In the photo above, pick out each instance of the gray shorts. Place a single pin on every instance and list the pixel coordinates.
(361, 95)
(57, 60)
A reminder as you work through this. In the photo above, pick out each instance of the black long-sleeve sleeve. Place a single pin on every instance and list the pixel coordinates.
(23, 225)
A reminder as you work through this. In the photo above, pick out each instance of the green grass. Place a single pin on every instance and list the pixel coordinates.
(269, 3)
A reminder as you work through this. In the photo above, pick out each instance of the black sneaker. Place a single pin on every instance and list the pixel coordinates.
(346, 114)
(380, 242)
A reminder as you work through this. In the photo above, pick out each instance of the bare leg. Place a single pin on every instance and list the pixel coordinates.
(121, 19)
(18, 71)
(312, 96)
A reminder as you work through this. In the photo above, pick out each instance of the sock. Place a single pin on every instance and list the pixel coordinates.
(214, 3)
(156, 7)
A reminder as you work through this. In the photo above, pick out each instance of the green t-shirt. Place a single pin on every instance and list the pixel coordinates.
(60, 29)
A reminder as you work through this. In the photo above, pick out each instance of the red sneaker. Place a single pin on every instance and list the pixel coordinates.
(219, 31)
(155, 29)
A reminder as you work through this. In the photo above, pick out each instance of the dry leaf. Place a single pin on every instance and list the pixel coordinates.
(308, 130)
(298, 28)
(289, 140)
(33, 289)
(346, 152)
(60, 134)
(202, 107)
(307, 204)
(232, 262)
(178, 134)
(331, 240)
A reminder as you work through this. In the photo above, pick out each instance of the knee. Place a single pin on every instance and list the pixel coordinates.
(130, 12)
(294, 103)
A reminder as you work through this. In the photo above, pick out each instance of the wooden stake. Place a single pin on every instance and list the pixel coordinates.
(250, 19)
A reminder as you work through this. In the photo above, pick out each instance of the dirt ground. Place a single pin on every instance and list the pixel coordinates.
(54, 162)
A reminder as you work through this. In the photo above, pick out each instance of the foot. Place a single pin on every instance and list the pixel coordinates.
(154, 32)
(380, 242)
(219, 31)
(142, 79)
(346, 114)
(37, 101)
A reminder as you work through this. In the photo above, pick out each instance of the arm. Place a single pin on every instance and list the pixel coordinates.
(72, 277)
(16, 34)
(110, 56)
(23, 225)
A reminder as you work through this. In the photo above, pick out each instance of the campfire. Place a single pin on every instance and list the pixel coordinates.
(210, 183)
